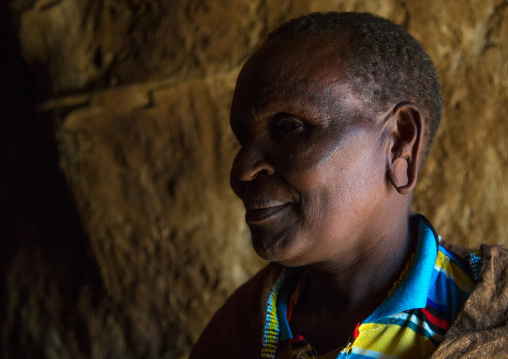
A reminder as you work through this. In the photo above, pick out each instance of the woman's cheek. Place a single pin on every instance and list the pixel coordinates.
(306, 155)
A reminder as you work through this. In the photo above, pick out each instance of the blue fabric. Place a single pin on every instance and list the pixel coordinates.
(445, 294)
(282, 305)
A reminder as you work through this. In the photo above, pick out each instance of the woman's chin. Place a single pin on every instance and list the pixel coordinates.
(278, 250)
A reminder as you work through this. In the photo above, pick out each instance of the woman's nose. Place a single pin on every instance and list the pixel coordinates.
(250, 163)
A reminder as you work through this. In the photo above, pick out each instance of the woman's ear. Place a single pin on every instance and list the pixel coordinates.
(407, 138)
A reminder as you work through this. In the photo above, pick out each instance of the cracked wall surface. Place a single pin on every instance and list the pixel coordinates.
(131, 247)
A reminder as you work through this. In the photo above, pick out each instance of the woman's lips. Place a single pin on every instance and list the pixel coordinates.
(255, 214)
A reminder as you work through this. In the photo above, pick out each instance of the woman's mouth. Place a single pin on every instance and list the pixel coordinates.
(257, 214)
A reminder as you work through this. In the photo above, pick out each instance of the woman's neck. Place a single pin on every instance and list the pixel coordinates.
(362, 283)
(365, 279)
(334, 299)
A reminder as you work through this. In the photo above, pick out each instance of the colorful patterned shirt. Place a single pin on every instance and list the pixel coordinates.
(410, 323)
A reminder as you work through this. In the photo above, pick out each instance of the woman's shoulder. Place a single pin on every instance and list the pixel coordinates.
(497, 251)
(235, 329)
(484, 318)
(487, 257)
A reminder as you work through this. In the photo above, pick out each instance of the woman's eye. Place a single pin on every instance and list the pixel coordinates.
(286, 125)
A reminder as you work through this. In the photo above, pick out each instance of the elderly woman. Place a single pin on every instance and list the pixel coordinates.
(335, 114)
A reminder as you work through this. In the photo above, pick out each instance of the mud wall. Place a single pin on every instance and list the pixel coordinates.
(125, 236)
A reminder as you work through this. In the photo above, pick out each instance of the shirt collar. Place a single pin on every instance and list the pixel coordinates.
(414, 288)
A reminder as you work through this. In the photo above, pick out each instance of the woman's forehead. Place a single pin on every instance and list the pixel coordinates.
(289, 57)
(296, 69)
(315, 95)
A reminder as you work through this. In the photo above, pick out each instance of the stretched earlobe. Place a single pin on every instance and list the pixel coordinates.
(407, 136)
(398, 174)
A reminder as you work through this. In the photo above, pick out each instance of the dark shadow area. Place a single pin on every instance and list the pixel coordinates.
(46, 259)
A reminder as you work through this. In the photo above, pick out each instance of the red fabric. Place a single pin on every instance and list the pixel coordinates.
(296, 339)
(356, 333)
(441, 323)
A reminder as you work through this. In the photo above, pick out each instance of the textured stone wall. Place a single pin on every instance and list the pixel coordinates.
(138, 240)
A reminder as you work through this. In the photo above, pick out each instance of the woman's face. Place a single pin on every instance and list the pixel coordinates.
(311, 170)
